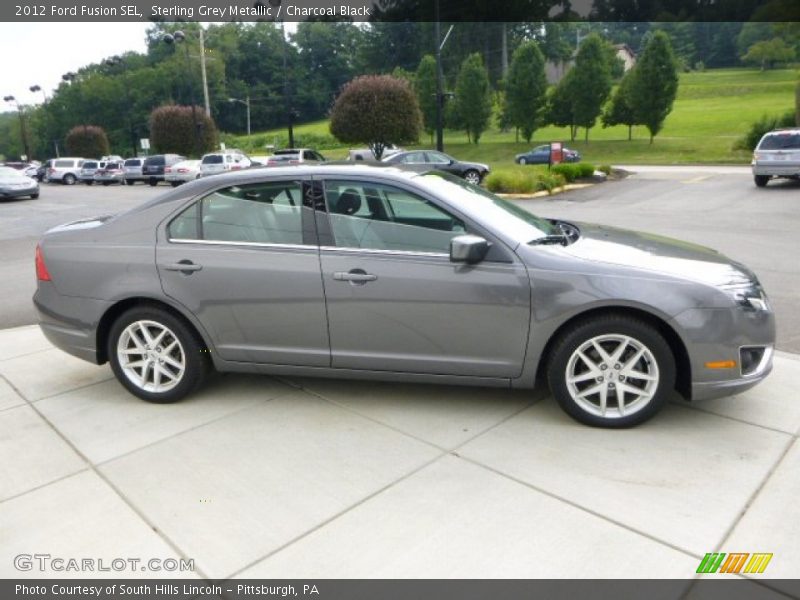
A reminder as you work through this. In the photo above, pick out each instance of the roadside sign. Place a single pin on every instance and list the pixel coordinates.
(556, 153)
(145, 143)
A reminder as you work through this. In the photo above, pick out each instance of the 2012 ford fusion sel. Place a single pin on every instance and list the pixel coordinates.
(378, 273)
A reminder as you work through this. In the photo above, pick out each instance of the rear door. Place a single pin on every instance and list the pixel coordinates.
(244, 259)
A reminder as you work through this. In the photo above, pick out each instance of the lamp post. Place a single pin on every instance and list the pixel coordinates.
(22, 129)
(37, 88)
(112, 62)
(440, 94)
(179, 37)
(246, 102)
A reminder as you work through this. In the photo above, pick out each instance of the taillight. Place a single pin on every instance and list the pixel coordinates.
(183, 170)
(41, 269)
(51, 170)
(168, 170)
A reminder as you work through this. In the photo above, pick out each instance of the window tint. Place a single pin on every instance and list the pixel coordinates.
(64, 163)
(380, 217)
(212, 159)
(264, 213)
(154, 160)
(133, 162)
(438, 158)
(90, 164)
(413, 158)
(781, 141)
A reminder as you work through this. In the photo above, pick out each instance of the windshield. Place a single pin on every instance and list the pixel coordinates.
(504, 215)
(781, 141)
(133, 162)
(154, 161)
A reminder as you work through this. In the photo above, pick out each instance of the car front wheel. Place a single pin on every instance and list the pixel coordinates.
(473, 177)
(156, 355)
(612, 371)
(522, 161)
(761, 180)
(69, 179)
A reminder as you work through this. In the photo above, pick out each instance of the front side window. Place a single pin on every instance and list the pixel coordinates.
(381, 217)
(413, 158)
(438, 158)
(262, 213)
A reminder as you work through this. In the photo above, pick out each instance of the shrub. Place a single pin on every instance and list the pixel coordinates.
(523, 181)
(377, 110)
(765, 124)
(573, 171)
(172, 129)
(87, 140)
(607, 169)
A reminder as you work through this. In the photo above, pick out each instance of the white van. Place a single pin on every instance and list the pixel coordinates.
(222, 161)
(65, 170)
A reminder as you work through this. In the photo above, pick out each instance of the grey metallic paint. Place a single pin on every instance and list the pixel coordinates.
(423, 319)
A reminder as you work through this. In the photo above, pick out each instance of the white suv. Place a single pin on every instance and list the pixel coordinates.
(66, 170)
(224, 160)
(777, 155)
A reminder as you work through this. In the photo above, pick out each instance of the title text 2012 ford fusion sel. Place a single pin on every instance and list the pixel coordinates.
(369, 272)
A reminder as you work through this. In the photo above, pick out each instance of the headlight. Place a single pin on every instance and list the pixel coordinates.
(750, 296)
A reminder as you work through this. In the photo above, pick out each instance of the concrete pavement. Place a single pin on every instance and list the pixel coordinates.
(263, 477)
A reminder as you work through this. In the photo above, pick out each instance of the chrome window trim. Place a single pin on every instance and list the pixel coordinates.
(387, 252)
(244, 244)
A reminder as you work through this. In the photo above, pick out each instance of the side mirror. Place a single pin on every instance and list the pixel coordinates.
(470, 249)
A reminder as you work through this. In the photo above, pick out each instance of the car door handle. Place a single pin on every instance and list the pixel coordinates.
(184, 266)
(354, 276)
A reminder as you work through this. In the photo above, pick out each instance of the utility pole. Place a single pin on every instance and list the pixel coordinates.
(203, 71)
(439, 93)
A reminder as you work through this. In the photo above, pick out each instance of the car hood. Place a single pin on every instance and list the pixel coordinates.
(474, 165)
(16, 180)
(657, 254)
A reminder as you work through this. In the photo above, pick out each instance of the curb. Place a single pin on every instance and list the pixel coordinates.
(545, 193)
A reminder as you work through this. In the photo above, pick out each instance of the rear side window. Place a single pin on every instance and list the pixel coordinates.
(781, 141)
(212, 159)
(154, 160)
(64, 163)
(261, 213)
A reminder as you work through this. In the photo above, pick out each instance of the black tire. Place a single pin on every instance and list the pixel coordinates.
(34, 196)
(153, 181)
(583, 331)
(68, 179)
(174, 183)
(473, 174)
(761, 180)
(89, 182)
(196, 357)
(129, 182)
(106, 183)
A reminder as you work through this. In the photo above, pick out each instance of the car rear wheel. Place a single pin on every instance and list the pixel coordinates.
(156, 355)
(89, 182)
(473, 177)
(34, 196)
(612, 371)
(129, 182)
(761, 180)
(174, 183)
(522, 161)
(69, 179)
(153, 181)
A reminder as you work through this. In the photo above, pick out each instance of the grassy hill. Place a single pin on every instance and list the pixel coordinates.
(713, 109)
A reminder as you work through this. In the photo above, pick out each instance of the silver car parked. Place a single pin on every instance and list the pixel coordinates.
(777, 155)
(377, 273)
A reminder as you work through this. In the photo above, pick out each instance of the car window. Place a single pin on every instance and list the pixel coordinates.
(263, 213)
(154, 160)
(438, 158)
(781, 141)
(133, 162)
(90, 165)
(382, 217)
(413, 158)
(64, 163)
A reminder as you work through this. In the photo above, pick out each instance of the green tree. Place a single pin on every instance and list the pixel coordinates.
(769, 52)
(426, 92)
(377, 110)
(526, 87)
(183, 130)
(797, 104)
(655, 84)
(619, 110)
(87, 140)
(591, 82)
(473, 100)
(560, 105)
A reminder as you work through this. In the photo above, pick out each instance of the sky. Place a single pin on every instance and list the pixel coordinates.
(56, 48)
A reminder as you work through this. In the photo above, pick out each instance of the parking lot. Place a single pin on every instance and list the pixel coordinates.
(281, 478)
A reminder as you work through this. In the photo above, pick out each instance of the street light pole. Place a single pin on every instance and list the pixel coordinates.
(37, 88)
(203, 71)
(246, 102)
(22, 129)
(439, 95)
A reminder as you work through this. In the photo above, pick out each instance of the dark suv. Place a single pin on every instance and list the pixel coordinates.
(153, 166)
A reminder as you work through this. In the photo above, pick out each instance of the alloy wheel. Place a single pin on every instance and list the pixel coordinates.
(151, 356)
(612, 376)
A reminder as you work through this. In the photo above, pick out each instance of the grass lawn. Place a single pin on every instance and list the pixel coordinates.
(713, 109)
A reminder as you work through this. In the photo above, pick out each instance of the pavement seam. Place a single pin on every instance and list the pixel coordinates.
(730, 418)
(754, 496)
(192, 428)
(77, 389)
(443, 453)
(113, 487)
(44, 485)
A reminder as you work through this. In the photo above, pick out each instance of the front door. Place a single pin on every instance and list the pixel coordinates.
(396, 302)
(241, 260)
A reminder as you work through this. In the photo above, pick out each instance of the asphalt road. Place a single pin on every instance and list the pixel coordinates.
(715, 206)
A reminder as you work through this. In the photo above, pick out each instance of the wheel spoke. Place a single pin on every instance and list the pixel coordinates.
(145, 373)
(592, 390)
(160, 337)
(582, 377)
(172, 362)
(603, 398)
(137, 351)
(631, 362)
(156, 377)
(639, 375)
(619, 351)
(589, 363)
(604, 356)
(148, 339)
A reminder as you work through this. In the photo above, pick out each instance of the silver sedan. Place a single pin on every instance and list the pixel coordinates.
(377, 273)
(15, 184)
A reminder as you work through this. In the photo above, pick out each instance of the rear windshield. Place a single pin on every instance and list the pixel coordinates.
(280, 152)
(212, 159)
(133, 162)
(90, 164)
(284, 157)
(113, 165)
(781, 141)
(64, 163)
(154, 160)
